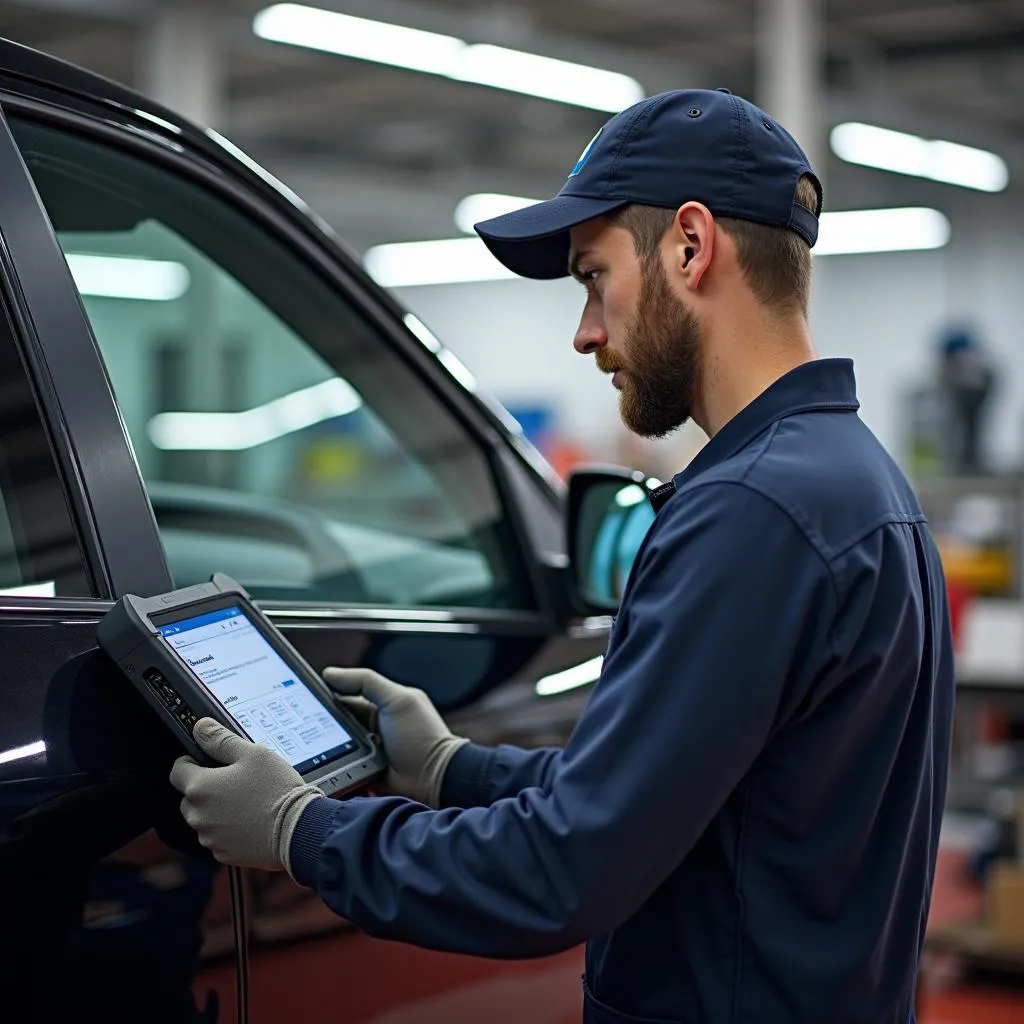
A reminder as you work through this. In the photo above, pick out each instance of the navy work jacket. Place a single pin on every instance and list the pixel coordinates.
(743, 824)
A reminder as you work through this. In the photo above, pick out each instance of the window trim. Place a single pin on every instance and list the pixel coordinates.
(54, 612)
(290, 229)
(73, 396)
(315, 616)
(26, 551)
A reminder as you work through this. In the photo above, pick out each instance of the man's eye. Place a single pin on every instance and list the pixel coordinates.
(590, 276)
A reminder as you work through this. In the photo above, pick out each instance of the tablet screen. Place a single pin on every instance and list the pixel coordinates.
(255, 686)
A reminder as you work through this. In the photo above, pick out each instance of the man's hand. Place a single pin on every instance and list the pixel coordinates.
(246, 811)
(417, 743)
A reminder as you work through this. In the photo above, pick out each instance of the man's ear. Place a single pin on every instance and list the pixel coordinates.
(692, 243)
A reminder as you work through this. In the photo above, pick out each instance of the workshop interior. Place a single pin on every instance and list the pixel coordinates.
(319, 382)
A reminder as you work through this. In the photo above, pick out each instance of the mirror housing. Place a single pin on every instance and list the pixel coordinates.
(609, 512)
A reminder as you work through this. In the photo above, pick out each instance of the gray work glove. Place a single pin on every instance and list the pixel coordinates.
(245, 812)
(417, 743)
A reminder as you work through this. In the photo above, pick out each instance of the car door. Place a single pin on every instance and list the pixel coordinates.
(110, 909)
(296, 430)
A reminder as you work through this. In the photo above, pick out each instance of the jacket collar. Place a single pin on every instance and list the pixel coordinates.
(822, 385)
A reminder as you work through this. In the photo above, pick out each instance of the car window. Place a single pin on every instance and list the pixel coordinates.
(282, 440)
(39, 551)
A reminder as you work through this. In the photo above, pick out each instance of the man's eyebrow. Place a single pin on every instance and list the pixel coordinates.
(577, 259)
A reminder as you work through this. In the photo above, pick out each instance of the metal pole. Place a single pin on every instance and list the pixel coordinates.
(790, 72)
(180, 62)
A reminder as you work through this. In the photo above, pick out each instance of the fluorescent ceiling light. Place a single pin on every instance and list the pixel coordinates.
(235, 431)
(362, 38)
(47, 589)
(895, 230)
(447, 56)
(468, 260)
(444, 261)
(950, 162)
(128, 277)
(484, 206)
(550, 79)
(21, 753)
(571, 678)
(848, 231)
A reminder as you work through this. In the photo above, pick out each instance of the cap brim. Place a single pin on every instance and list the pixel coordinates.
(534, 242)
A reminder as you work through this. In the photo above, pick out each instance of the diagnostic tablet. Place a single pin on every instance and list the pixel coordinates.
(207, 651)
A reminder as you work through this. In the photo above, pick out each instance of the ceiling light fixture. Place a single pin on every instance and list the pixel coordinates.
(950, 162)
(442, 261)
(236, 431)
(571, 678)
(128, 277)
(903, 229)
(485, 205)
(468, 260)
(447, 56)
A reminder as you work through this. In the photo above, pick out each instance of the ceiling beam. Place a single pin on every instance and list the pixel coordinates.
(110, 10)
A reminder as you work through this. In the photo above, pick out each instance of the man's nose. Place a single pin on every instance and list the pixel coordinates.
(590, 335)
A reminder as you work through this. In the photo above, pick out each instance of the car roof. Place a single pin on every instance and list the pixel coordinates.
(22, 61)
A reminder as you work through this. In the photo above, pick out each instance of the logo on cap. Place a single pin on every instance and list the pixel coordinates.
(585, 155)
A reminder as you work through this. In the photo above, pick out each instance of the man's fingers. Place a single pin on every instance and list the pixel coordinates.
(189, 813)
(183, 773)
(366, 713)
(219, 742)
(362, 682)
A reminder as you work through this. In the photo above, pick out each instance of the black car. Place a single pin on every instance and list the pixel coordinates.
(198, 376)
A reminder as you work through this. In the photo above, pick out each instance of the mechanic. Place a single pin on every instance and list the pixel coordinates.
(743, 824)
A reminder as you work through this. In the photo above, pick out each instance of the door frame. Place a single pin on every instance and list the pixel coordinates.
(118, 530)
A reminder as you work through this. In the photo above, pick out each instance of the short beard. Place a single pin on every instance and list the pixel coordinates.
(661, 356)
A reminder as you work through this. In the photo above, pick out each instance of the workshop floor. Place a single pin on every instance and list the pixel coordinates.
(428, 989)
(972, 1006)
(399, 984)
(953, 899)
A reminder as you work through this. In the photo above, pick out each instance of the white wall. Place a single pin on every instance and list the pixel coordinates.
(882, 310)
(516, 337)
(886, 310)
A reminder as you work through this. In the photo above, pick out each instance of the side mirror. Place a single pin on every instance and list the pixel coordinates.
(609, 514)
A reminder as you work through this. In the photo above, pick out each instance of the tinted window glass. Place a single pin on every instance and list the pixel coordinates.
(39, 551)
(282, 440)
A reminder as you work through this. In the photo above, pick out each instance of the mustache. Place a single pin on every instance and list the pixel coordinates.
(606, 361)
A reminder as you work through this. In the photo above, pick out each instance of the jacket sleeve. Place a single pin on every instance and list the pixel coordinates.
(728, 601)
(477, 776)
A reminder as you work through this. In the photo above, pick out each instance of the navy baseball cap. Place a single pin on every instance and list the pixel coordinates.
(703, 145)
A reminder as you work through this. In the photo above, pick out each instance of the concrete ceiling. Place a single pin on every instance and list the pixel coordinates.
(386, 153)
